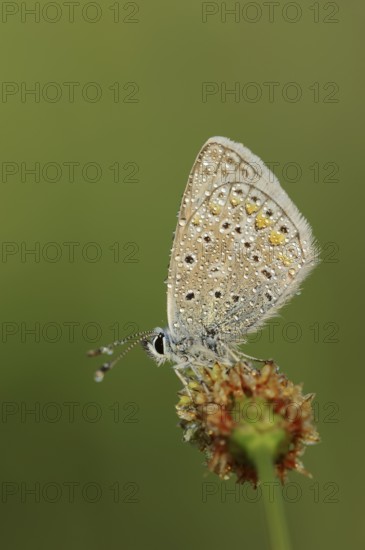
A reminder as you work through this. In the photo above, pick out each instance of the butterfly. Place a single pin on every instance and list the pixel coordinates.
(241, 250)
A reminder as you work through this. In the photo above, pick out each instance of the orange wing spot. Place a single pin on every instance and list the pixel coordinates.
(215, 209)
(285, 260)
(262, 221)
(251, 207)
(276, 238)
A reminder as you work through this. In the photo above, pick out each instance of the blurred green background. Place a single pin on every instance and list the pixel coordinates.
(106, 462)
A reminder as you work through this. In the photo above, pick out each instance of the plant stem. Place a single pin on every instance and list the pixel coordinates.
(275, 514)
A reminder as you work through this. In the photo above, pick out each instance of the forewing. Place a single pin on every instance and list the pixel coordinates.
(241, 246)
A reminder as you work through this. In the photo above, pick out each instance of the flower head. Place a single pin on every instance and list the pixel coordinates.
(231, 412)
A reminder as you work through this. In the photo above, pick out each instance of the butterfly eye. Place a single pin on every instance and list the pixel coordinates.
(158, 343)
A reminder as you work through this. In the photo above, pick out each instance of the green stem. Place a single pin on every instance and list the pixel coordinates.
(275, 514)
(263, 442)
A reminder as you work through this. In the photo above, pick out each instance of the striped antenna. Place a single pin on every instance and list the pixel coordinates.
(109, 349)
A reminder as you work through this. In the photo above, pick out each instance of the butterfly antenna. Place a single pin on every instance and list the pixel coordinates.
(109, 349)
(99, 374)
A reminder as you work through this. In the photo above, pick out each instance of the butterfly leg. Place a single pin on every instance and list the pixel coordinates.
(231, 353)
(237, 355)
(250, 358)
(182, 378)
(181, 366)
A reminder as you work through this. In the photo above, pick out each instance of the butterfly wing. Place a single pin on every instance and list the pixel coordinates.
(241, 247)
